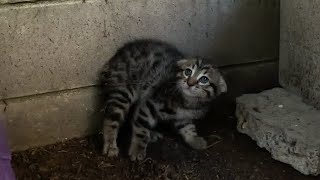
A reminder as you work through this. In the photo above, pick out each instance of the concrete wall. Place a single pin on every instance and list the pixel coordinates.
(299, 48)
(51, 52)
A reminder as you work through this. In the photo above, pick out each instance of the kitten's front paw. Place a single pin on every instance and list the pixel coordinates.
(136, 154)
(110, 150)
(198, 143)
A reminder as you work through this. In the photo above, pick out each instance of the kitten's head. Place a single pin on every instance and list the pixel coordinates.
(200, 80)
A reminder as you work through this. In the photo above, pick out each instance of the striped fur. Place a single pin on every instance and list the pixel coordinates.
(155, 77)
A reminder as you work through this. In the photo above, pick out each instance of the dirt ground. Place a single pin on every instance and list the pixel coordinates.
(234, 156)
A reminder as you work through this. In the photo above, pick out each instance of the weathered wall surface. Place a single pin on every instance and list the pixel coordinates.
(55, 48)
(49, 118)
(299, 48)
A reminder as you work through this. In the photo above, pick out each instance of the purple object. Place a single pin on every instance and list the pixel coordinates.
(6, 172)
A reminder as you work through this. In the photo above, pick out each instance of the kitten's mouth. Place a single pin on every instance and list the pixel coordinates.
(188, 91)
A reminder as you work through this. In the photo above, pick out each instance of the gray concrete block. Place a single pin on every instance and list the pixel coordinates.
(52, 46)
(283, 124)
(299, 49)
(46, 119)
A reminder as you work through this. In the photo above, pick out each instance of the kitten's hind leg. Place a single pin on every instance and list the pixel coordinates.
(110, 134)
(139, 142)
(117, 105)
(142, 132)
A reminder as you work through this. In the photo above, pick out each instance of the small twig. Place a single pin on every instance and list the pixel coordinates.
(165, 173)
(144, 161)
(79, 169)
(216, 136)
(102, 164)
(110, 165)
(211, 145)
(62, 151)
(47, 151)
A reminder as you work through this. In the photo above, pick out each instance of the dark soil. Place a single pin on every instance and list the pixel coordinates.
(234, 156)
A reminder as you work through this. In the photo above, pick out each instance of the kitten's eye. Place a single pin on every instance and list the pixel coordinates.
(188, 72)
(203, 79)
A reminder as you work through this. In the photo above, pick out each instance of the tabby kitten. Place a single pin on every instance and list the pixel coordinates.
(161, 85)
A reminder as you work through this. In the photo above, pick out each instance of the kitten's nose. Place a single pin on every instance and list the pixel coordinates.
(192, 81)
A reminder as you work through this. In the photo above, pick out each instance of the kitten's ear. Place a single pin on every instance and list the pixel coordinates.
(222, 85)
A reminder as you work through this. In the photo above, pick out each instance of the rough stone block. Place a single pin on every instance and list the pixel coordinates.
(280, 122)
(51, 46)
(46, 119)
